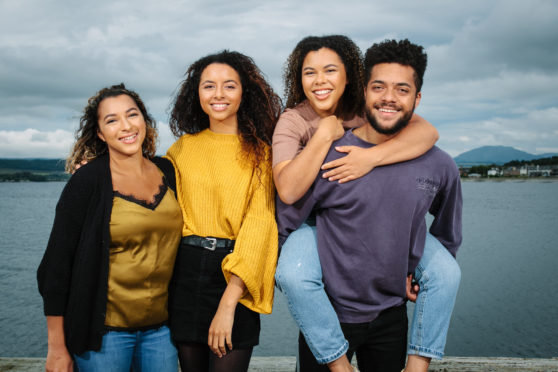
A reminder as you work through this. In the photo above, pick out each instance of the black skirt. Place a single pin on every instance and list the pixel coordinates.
(194, 294)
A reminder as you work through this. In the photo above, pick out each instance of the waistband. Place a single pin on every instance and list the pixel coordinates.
(208, 242)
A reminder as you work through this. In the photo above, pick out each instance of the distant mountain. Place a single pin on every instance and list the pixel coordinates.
(496, 155)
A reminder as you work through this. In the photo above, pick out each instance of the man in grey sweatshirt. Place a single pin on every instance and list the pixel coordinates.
(371, 231)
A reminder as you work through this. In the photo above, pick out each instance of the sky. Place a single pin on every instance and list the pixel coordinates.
(491, 79)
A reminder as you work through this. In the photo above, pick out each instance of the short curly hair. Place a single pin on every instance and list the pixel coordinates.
(352, 100)
(88, 145)
(392, 51)
(259, 106)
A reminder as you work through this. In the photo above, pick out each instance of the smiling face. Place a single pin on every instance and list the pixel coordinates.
(220, 92)
(323, 80)
(391, 97)
(121, 125)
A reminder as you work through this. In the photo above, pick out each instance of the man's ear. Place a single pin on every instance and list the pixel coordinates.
(417, 99)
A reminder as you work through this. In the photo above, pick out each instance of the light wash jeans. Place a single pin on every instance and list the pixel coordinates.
(299, 277)
(121, 351)
(438, 275)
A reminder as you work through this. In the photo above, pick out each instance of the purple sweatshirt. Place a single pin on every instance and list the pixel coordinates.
(371, 231)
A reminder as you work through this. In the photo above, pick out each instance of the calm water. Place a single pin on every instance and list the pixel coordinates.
(507, 304)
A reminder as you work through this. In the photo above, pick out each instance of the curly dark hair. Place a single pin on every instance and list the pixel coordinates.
(392, 51)
(352, 100)
(88, 145)
(259, 106)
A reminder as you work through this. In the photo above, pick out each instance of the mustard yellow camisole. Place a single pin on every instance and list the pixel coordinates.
(144, 242)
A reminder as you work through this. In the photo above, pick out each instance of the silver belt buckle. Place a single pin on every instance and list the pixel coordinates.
(209, 243)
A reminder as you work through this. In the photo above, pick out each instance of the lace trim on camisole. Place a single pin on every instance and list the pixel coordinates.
(144, 203)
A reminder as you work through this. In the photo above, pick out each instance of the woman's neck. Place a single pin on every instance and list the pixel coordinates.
(136, 176)
(229, 126)
(127, 165)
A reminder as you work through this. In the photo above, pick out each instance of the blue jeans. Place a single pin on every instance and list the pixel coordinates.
(299, 277)
(438, 275)
(123, 351)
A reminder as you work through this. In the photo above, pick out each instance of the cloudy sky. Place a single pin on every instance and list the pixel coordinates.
(491, 78)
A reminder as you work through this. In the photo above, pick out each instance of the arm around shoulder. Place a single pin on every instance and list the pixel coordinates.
(414, 140)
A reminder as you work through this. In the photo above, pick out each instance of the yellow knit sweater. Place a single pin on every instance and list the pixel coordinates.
(221, 196)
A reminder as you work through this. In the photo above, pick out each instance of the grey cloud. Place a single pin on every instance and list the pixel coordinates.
(521, 37)
(38, 137)
(504, 94)
(489, 61)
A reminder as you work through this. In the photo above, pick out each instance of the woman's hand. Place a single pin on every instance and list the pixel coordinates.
(58, 359)
(412, 141)
(220, 331)
(358, 162)
(331, 127)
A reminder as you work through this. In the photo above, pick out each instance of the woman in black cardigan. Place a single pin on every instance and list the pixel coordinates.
(105, 273)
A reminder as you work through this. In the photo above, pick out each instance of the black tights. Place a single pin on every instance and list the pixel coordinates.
(196, 357)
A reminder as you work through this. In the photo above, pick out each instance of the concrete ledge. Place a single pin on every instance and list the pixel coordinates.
(288, 364)
(494, 364)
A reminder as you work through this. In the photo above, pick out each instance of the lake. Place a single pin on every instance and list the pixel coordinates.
(506, 304)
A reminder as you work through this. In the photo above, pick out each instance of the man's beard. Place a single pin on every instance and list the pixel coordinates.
(400, 124)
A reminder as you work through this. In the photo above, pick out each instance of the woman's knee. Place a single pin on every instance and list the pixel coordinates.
(451, 272)
(438, 265)
(298, 262)
(297, 274)
(443, 273)
(283, 276)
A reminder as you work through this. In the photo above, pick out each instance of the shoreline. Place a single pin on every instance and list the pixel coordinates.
(284, 364)
(511, 179)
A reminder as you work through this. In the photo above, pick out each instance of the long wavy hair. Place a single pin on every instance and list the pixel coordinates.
(88, 145)
(257, 114)
(352, 100)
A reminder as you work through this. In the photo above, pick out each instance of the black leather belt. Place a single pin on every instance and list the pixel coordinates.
(208, 242)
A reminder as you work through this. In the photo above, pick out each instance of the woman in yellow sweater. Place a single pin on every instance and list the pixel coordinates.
(224, 114)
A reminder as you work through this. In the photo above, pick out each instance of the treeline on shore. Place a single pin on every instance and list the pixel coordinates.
(543, 161)
(547, 167)
(32, 170)
(33, 177)
(48, 170)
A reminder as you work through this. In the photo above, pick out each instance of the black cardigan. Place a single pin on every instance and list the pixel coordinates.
(73, 274)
